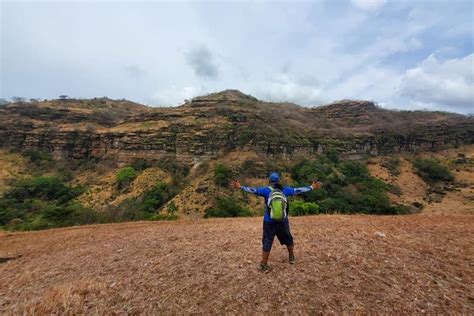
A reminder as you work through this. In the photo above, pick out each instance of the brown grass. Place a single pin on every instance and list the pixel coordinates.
(12, 166)
(422, 265)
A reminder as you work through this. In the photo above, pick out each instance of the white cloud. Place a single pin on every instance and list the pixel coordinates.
(369, 5)
(174, 95)
(303, 52)
(448, 84)
(285, 88)
(373, 83)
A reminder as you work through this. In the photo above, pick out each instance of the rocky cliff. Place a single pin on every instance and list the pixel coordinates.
(212, 125)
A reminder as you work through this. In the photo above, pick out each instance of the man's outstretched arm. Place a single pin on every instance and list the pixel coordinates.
(295, 191)
(236, 185)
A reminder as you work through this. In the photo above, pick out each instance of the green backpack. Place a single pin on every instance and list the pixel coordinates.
(277, 204)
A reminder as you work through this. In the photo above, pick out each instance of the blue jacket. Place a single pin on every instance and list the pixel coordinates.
(265, 193)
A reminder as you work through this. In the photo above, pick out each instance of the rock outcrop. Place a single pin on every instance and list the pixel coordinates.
(208, 126)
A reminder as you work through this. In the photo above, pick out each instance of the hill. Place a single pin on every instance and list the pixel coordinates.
(210, 126)
(115, 160)
(345, 264)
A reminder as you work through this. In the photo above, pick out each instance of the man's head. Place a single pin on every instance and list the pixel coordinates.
(274, 178)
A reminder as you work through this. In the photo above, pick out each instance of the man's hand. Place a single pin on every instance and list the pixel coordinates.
(315, 185)
(235, 184)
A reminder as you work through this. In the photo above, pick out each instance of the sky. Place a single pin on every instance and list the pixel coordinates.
(413, 54)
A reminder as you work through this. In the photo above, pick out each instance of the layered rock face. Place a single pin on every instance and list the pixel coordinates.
(209, 126)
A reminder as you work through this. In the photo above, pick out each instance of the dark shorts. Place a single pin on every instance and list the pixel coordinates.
(280, 229)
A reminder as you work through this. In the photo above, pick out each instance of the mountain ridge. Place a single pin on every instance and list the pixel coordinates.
(212, 125)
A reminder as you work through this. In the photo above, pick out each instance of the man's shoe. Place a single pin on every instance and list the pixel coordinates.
(263, 267)
(292, 259)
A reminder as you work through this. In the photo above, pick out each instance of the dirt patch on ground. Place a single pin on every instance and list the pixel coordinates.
(365, 264)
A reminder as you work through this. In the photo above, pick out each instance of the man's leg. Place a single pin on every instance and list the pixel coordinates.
(265, 255)
(267, 241)
(291, 250)
(285, 237)
(291, 254)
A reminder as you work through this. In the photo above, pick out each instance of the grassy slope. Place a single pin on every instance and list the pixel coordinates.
(459, 201)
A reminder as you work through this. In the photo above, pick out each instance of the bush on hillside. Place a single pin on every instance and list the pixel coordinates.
(42, 202)
(145, 206)
(300, 208)
(156, 197)
(347, 187)
(222, 175)
(431, 171)
(125, 176)
(172, 208)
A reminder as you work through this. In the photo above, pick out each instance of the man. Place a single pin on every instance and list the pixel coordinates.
(280, 228)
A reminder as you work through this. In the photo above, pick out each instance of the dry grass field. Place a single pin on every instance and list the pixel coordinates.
(366, 264)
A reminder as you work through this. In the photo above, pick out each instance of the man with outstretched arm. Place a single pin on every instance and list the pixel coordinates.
(272, 227)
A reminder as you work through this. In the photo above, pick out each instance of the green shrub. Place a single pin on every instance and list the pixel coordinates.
(307, 170)
(222, 175)
(156, 197)
(299, 208)
(431, 171)
(227, 207)
(42, 202)
(43, 187)
(172, 208)
(144, 207)
(354, 172)
(347, 187)
(125, 176)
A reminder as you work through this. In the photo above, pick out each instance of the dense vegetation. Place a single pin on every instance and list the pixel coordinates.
(42, 202)
(47, 199)
(432, 171)
(299, 208)
(347, 187)
(145, 206)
